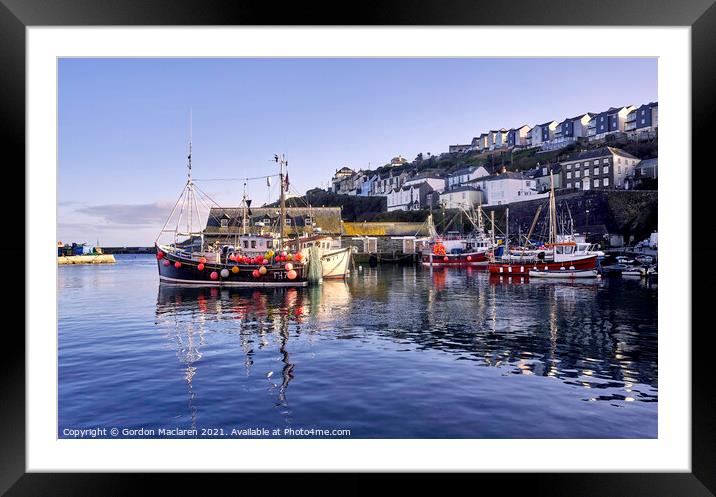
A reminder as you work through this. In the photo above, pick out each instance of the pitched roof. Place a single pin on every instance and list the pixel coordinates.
(600, 152)
(461, 189)
(327, 218)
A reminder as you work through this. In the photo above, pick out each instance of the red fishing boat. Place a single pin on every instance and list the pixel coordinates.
(560, 253)
(454, 249)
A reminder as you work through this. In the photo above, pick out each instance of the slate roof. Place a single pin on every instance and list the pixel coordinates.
(600, 152)
(326, 218)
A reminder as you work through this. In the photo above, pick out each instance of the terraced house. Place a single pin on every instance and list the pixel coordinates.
(608, 122)
(602, 168)
(643, 119)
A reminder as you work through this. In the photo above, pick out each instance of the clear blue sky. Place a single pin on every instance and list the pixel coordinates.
(124, 123)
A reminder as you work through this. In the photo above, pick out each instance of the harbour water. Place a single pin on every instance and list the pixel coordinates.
(394, 352)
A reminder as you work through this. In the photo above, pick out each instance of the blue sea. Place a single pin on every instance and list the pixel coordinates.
(394, 352)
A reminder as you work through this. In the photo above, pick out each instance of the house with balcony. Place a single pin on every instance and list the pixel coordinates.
(518, 137)
(479, 143)
(611, 121)
(496, 138)
(463, 175)
(542, 133)
(602, 168)
(643, 120)
(569, 131)
(463, 197)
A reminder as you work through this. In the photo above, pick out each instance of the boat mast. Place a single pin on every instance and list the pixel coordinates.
(282, 218)
(552, 211)
(507, 230)
(189, 184)
(492, 229)
(245, 207)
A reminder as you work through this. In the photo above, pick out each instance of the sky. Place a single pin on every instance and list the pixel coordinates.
(124, 124)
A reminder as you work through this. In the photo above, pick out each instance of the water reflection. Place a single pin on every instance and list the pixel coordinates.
(599, 336)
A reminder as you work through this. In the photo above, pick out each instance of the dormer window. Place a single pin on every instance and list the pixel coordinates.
(224, 223)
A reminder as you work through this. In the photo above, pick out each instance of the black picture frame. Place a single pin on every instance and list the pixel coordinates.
(700, 15)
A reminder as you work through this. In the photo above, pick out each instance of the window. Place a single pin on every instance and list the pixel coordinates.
(569, 185)
(619, 160)
(267, 221)
(596, 171)
(596, 183)
(619, 169)
(308, 221)
(586, 172)
(605, 161)
(569, 166)
(246, 244)
(253, 243)
(576, 174)
(269, 244)
(606, 182)
(643, 121)
(288, 222)
(224, 223)
(605, 170)
(596, 162)
(527, 183)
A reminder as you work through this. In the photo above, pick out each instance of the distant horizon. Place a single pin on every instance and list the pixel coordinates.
(124, 123)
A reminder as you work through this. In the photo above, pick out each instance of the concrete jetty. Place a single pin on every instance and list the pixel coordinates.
(86, 259)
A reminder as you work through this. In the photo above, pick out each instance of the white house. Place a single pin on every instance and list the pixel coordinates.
(464, 175)
(437, 183)
(506, 188)
(409, 197)
(462, 197)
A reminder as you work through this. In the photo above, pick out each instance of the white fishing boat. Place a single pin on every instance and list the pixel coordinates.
(562, 273)
(335, 260)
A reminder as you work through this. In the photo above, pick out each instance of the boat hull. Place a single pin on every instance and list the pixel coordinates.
(334, 263)
(586, 263)
(189, 274)
(564, 273)
(463, 259)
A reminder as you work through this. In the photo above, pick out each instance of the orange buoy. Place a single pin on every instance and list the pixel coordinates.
(255, 273)
(200, 267)
(235, 269)
(177, 264)
(292, 274)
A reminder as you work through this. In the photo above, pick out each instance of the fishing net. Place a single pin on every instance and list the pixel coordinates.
(315, 270)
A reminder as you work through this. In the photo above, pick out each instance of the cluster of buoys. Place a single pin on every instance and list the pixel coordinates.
(260, 260)
(439, 249)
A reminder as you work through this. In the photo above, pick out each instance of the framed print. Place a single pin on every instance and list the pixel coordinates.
(422, 241)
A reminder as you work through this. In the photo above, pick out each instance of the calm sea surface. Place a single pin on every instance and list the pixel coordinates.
(396, 352)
